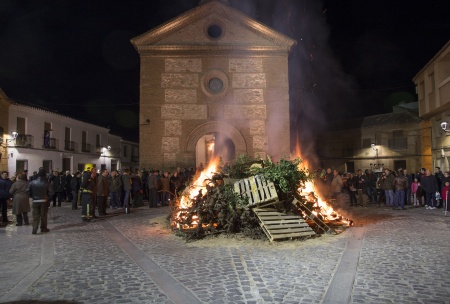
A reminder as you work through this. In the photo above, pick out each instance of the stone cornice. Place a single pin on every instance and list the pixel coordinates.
(210, 49)
(166, 29)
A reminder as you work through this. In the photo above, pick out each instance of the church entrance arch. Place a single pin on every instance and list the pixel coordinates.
(215, 138)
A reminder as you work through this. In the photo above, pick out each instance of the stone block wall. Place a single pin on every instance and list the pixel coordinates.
(176, 101)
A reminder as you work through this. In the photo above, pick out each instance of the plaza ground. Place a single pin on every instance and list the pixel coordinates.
(389, 256)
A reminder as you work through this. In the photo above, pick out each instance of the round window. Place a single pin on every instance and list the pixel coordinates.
(214, 31)
(215, 85)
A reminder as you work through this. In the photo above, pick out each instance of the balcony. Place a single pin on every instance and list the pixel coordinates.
(86, 147)
(398, 143)
(99, 149)
(24, 140)
(50, 143)
(69, 145)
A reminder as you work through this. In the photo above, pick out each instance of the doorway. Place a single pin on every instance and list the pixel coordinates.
(213, 145)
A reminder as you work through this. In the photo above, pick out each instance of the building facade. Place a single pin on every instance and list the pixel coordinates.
(433, 89)
(213, 82)
(34, 138)
(391, 140)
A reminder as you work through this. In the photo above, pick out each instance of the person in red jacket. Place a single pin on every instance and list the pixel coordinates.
(445, 195)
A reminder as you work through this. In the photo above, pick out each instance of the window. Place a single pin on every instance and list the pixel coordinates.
(67, 134)
(125, 151)
(397, 133)
(83, 137)
(68, 144)
(47, 165)
(421, 90)
(398, 141)
(367, 142)
(85, 147)
(432, 84)
(47, 134)
(20, 125)
(98, 142)
(21, 165)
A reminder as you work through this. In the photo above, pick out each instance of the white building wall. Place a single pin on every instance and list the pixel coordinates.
(35, 153)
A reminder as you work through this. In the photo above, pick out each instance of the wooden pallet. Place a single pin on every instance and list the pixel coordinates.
(258, 191)
(277, 225)
(309, 215)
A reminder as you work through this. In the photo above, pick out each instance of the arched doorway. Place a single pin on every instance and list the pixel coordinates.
(226, 141)
(213, 145)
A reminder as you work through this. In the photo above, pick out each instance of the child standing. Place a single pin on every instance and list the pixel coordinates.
(419, 194)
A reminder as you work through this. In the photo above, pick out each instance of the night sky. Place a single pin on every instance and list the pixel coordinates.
(352, 58)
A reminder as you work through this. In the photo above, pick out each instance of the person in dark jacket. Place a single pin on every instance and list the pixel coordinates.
(371, 183)
(5, 186)
(102, 192)
(58, 187)
(67, 189)
(115, 187)
(136, 188)
(40, 192)
(430, 187)
(400, 185)
(88, 187)
(152, 189)
(387, 184)
(126, 184)
(75, 183)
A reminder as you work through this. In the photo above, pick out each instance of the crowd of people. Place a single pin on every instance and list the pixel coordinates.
(92, 190)
(393, 188)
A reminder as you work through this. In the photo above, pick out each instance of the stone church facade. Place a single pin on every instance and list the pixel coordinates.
(212, 70)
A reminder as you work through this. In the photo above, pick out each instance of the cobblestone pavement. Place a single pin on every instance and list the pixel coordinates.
(390, 256)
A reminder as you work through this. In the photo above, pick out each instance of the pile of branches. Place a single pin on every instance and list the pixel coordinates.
(221, 210)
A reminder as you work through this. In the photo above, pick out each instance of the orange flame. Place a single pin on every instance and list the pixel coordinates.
(199, 184)
(312, 193)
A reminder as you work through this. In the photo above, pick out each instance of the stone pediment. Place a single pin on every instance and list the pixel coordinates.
(212, 26)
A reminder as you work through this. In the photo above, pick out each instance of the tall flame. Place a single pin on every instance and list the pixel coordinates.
(311, 191)
(199, 185)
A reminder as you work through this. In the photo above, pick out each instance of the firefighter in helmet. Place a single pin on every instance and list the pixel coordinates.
(88, 183)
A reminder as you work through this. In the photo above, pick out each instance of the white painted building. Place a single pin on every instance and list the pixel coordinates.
(57, 142)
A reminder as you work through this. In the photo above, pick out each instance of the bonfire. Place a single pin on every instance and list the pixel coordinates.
(211, 205)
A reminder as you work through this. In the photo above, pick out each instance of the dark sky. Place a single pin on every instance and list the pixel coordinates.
(353, 57)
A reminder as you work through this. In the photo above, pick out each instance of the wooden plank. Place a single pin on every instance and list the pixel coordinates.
(287, 226)
(278, 225)
(290, 235)
(284, 231)
(281, 221)
(278, 217)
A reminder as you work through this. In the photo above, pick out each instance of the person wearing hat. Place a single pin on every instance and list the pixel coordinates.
(88, 186)
(40, 192)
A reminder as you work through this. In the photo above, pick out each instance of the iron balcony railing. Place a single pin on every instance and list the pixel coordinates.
(69, 145)
(24, 140)
(50, 143)
(85, 147)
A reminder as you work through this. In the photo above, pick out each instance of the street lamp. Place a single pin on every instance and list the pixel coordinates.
(8, 140)
(444, 126)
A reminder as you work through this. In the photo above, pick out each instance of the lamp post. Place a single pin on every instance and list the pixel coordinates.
(376, 166)
(8, 140)
(445, 126)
